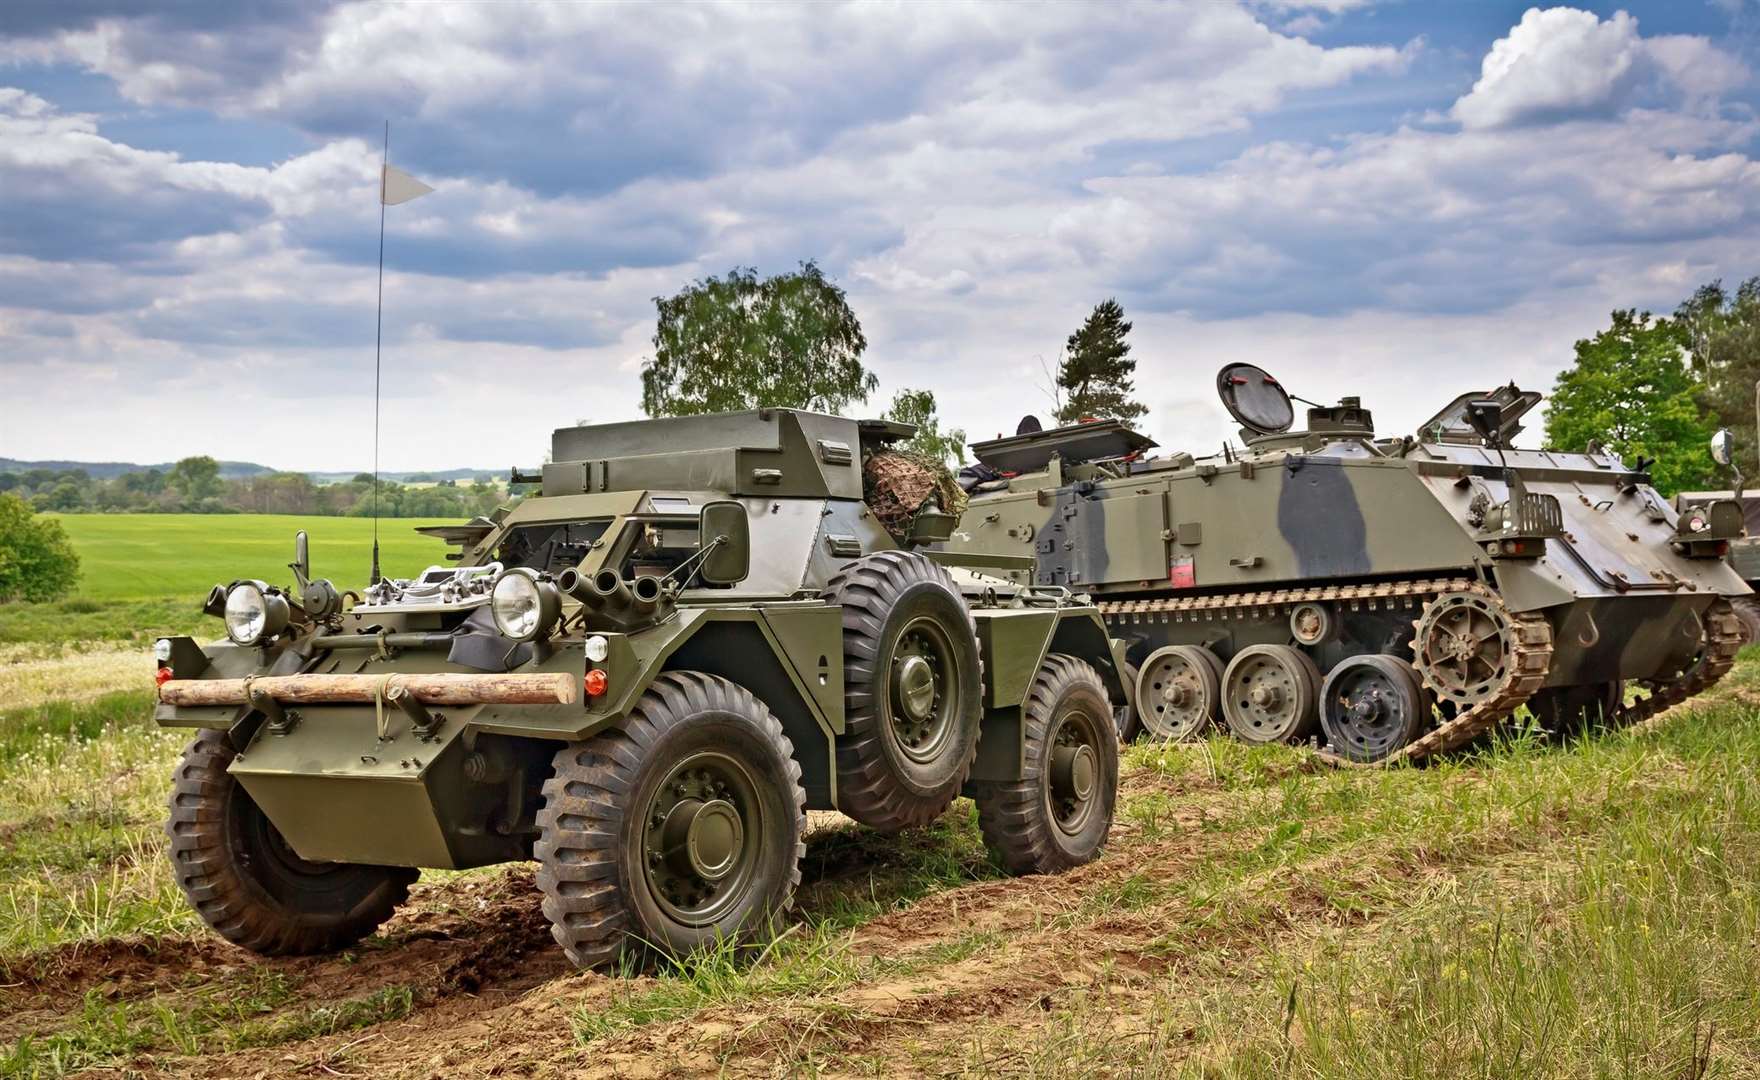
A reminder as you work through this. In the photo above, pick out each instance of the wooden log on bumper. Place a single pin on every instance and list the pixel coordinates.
(446, 688)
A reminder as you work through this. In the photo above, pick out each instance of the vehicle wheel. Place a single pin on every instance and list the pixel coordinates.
(1058, 814)
(1130, 721)
(682, 829)
(1565, 711)
(1371, 706)
(1747, 609)
(911, 686)
(1178, 692)
(248, 884)
(1268, 694)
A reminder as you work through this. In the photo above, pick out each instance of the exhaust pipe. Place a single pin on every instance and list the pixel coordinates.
(645, 595)
(571, 582)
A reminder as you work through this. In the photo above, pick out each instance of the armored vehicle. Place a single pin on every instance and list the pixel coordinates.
(1744, 551)
(643, 677)
(1390, 597)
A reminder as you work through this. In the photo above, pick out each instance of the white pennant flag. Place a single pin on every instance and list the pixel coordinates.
(397, 186)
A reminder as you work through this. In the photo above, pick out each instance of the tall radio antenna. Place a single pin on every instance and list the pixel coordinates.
(378, 343)
(395, 186)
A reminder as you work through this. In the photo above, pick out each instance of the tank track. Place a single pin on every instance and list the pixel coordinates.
(1723, 631)
(1531, 645)
(1531, 650)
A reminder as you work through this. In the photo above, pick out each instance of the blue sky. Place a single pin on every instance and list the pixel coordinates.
(1402, 200)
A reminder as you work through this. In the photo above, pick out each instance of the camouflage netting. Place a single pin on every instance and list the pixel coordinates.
(898, 483)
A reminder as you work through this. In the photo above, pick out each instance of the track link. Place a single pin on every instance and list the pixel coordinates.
(1530, 647)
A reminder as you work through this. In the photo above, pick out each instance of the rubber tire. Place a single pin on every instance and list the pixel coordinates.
(1015, 817)
(1307, 722)
(1395, 670)
(879, 594)
(1130, 727)
(1199, 657)
(1747, 609)
(589, 868)
(216, 833)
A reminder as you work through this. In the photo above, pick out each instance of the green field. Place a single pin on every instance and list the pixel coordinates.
(146, 574)
(146, 556)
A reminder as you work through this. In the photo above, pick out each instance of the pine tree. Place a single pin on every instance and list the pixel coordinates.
(1095, 375)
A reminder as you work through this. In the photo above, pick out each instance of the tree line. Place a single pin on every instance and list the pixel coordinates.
(195, 486)
(1658, 387)
(791, 341)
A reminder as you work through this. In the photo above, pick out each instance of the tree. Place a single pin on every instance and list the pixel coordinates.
(37, 562)
(1722, 335)
(918, 407)
(1095, 375)
(741, 342)
(195, 478)
(1631, 390)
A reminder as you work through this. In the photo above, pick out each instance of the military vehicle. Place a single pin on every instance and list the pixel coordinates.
(1744, 551)
(1390, 597)
(642, 676)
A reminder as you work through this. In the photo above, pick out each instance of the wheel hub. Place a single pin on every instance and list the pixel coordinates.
(704, 838)
(1073, 770)
(1266, 697)
(916, 687)
(1177, 695)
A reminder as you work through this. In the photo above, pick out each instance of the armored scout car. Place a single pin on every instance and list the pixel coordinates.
(1392, 597)
(642, 677)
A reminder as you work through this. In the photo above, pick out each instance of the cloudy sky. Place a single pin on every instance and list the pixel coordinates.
(1404, 200)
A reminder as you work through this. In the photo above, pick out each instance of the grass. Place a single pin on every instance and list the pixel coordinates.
(82, 806)
(1535, 910)
(144, 575)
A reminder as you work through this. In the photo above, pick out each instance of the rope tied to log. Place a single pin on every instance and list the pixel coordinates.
(380, 689)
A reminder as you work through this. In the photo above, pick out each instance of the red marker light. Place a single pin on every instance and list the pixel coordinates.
(596, 681)
(163, 676)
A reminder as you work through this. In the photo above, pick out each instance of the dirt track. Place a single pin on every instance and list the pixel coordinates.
(986, 976)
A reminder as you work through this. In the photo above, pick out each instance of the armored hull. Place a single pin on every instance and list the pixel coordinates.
(1255, 587)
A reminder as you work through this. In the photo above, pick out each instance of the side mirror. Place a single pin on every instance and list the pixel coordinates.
(726, 533)
(1723, 446)
(1486, 418)
(302, 560)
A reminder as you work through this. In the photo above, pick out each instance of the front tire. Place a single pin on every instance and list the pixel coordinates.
(911, 690)
(1058, 814)
(248, 884)
(680, 830)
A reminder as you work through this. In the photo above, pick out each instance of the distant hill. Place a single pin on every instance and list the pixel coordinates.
(106, 470)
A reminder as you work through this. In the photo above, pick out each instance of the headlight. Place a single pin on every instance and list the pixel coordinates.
(524, 607)
(253, 613)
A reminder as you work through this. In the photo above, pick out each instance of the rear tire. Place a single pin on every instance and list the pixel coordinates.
(247, 883)
(1058, 814)
(682, 829)
(911, 690)
(1747, 609)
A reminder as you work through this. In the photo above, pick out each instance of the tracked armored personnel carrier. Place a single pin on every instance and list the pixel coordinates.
(641, 677)
(1387, 597)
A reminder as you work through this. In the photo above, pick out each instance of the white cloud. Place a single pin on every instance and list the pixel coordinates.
(1564, 63)
(976, 176)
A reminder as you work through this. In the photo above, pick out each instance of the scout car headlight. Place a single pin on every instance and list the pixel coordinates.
(253, 613)
(524, 607)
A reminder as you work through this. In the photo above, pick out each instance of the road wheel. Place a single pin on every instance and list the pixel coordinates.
(1747, 609)
(680, 830)
(248, 884)
(1130, 721)
(1372, 706)
(1179, 691)
(1058, 814)
(1269, 693)
(911, 686)
(1565, 711)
